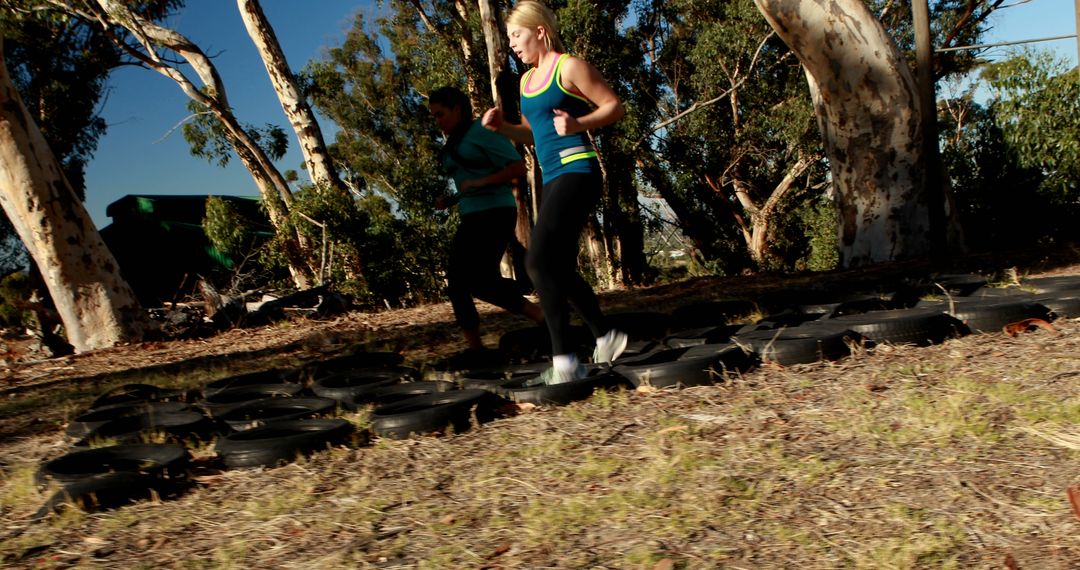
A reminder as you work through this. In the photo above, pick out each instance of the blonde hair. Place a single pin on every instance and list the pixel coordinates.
(533, 14)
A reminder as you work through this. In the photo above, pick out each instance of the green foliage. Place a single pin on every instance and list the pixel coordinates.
(374, 87)
(227, 229)
(1013, 163)
(209, 139)
(1037, 104)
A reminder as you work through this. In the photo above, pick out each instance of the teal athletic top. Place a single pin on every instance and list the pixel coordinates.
(558, 154)
(481, 153)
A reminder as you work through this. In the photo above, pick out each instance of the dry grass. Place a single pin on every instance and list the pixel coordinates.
(952, 456)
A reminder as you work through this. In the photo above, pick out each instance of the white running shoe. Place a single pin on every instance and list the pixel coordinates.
(609, 347)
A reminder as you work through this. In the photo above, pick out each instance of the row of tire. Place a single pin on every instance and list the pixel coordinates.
(269, 417)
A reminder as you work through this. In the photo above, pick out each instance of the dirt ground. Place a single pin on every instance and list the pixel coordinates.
(952, 456)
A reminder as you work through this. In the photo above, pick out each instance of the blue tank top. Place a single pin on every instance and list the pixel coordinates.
(558, 154)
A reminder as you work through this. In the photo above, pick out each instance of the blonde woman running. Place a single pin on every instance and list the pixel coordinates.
(561, 97)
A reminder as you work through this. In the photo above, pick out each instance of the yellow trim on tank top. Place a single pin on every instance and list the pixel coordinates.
(554, 76)
(578, 156)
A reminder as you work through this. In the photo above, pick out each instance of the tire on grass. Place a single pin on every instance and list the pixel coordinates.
(91, 419)
(167, 461)
(682, 367)
(173, 426)
(524, 391)
(357, 386)
(429, 413)
(259, 412)
(920, 326)
(281, 442)
(800, 345)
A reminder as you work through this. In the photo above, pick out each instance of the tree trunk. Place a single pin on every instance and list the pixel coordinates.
(96, 305)
(598, 254)
(868, 112)
(308, 133)
(625, 229)
(495, 40)
(496, 46)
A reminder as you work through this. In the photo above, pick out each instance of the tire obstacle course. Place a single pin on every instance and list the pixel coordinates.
(132, 442)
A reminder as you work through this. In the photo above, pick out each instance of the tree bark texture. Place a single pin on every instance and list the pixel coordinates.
(98, 308)
(308, 133)
(868, 112)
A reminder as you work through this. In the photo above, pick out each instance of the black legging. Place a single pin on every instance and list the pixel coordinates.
(553, 252)
(479, 244)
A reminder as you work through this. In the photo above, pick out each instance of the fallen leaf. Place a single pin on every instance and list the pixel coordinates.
(1010, 562)
(1074, 499)
(502, 549)
(94, 540)
(448, 519)
(665, 564)
(1014, 329)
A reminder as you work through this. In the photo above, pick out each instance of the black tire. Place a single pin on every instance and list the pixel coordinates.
(281, 442)
(103, 491)
(356, 386)
(695, 337)
(800, 345)
(921, 326)
(397, 392)
(271, 377)
(522, 391)
(168, 461)
(222, 401)
(850, 305)
(93, 418)
(961, 284)
(1001, 293)
(136, 393)
(175, 426)
(677, 367)
(492, 380)
(1061, 307)
(259, 412)
(990, 315)
(1056, 284)
(428, 413)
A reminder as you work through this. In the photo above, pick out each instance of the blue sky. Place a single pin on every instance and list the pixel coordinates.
(144, 152)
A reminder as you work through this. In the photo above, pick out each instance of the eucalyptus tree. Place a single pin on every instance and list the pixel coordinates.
(166, 52)
(303, 120)
(735, 144)
(868, 111)
(97, 307)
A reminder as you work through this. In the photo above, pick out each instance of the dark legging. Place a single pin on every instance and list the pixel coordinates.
(553, 252)
(479, 244)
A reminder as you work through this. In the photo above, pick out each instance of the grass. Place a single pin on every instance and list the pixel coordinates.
(951, 456)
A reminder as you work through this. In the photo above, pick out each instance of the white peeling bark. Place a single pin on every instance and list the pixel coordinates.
(301, 117)
(96, 305)
(868, 111)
